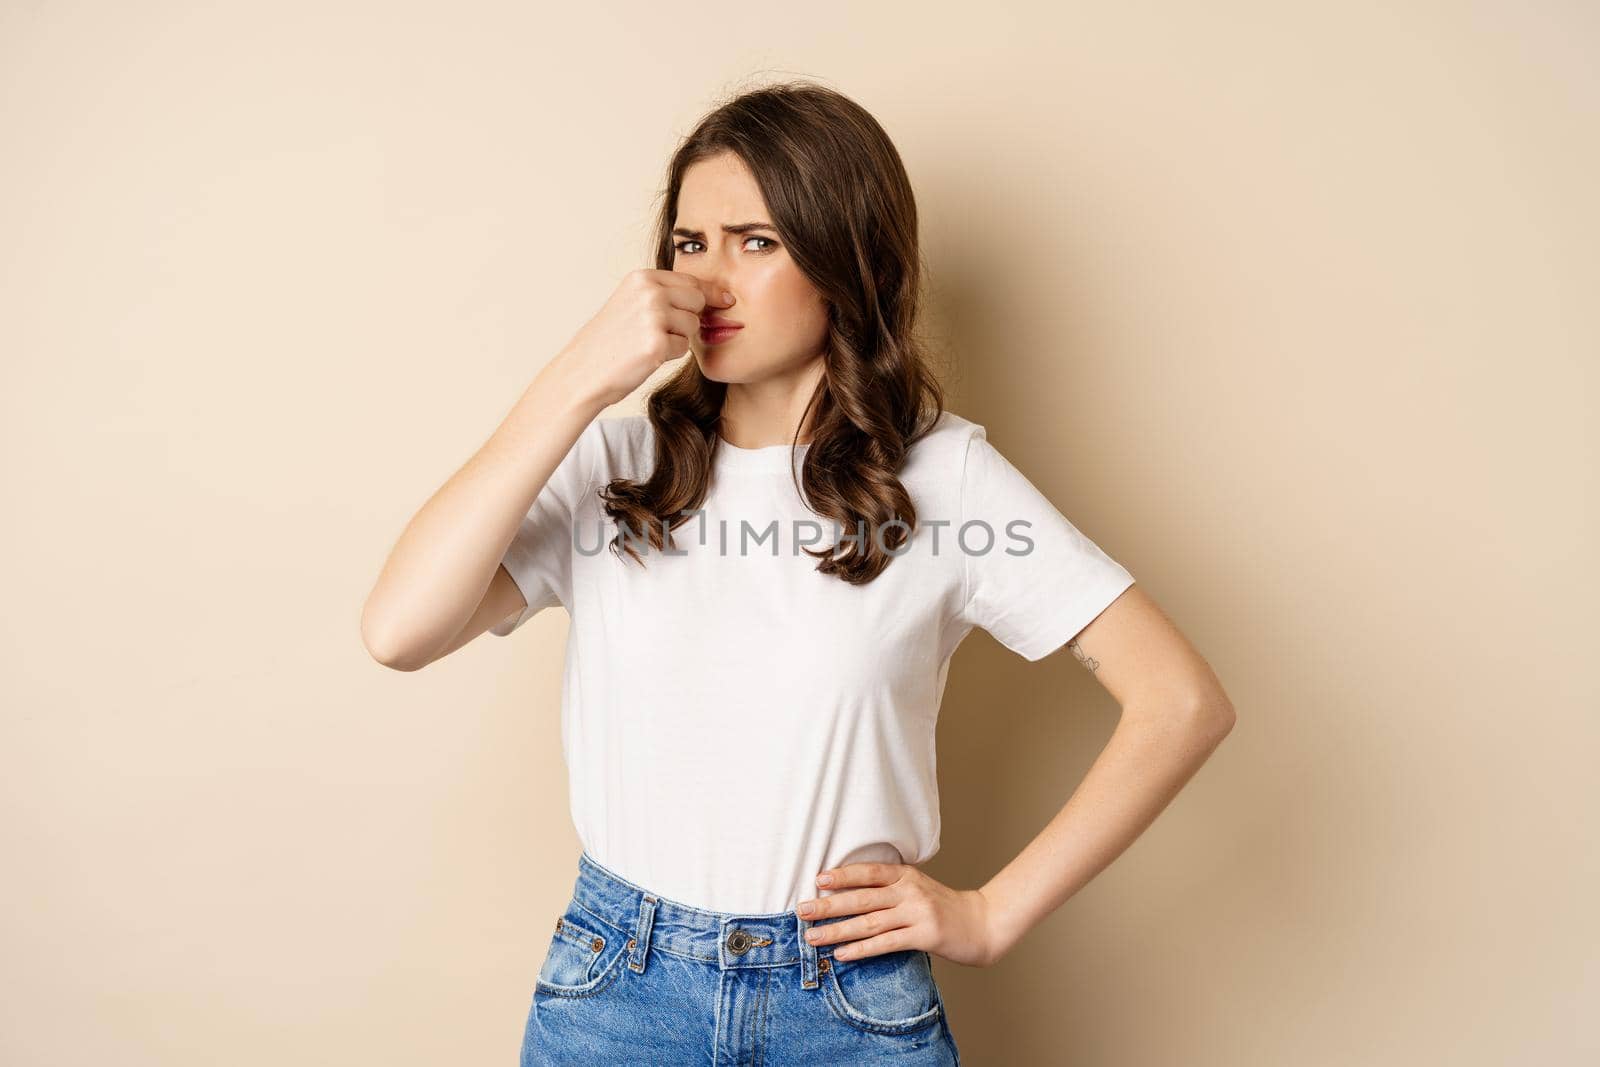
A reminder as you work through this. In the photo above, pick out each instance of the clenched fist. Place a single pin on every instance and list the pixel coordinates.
(651, 317)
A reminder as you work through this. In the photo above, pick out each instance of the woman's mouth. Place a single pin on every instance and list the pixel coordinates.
(715, 335)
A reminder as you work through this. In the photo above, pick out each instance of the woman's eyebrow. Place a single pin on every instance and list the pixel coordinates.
(743, 227)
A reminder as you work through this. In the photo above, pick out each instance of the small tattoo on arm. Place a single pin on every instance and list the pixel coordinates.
(1088, 661)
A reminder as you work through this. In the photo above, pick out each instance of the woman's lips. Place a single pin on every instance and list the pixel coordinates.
(715, 335)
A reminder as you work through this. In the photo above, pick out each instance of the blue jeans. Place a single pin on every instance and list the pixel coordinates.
(631, 977)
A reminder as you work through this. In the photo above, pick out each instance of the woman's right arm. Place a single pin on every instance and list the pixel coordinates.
(443, 583)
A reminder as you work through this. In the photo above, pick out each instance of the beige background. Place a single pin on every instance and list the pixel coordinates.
(1291, 310)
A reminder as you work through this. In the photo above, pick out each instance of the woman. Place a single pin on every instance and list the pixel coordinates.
(767, 574)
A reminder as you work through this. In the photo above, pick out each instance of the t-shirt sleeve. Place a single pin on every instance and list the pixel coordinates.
(1041, 580)
(539, 558)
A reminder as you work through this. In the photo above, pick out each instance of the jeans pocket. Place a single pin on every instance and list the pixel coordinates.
(585, 954)
(890, 993)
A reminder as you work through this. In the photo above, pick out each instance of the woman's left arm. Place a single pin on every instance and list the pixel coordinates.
(1174, 714)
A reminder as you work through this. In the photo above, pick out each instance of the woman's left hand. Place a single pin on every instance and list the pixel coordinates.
(895, 906)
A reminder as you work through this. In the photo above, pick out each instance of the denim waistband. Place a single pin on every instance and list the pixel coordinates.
(727, 939)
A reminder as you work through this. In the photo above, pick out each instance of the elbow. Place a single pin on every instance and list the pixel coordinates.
(381, 646)
(1205, 717)
(395, 663)
(385, 654)
(1215, 715)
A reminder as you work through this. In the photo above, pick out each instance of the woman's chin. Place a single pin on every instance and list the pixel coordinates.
(716, 367)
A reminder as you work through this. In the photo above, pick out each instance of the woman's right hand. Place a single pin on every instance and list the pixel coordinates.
(652, 317)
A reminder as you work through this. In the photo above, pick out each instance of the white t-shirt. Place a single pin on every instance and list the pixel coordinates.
(734, 722)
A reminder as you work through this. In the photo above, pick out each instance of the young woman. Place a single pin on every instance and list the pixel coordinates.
(767, 574)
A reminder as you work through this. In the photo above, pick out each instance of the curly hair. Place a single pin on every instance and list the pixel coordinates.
(839, 197)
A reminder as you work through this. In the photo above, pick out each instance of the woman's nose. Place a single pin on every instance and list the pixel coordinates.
(718, 286)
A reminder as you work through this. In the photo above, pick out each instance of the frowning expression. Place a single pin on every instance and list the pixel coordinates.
(723, 235)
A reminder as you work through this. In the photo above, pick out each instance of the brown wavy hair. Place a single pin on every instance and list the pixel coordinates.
(840, 200)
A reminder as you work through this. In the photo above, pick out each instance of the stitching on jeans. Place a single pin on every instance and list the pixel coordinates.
(834, 995)
(656, 946)
(760, 1026)
(598, 918)
(605, 980)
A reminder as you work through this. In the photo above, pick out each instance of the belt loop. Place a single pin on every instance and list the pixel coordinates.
(808, 955)
(641, 936)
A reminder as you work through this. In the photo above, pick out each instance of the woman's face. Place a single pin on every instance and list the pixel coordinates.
(784, 319)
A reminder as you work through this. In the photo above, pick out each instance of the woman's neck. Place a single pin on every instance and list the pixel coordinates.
(759, 414)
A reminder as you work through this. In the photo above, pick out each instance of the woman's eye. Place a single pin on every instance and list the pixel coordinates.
(680, 245)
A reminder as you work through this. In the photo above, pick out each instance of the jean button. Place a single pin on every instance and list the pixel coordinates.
(739, 942)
